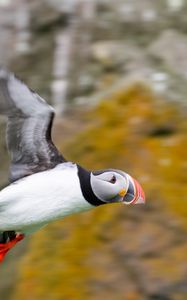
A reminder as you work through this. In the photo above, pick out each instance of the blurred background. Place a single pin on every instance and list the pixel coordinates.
(116, 73)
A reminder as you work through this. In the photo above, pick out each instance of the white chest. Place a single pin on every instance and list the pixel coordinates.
(41, 198)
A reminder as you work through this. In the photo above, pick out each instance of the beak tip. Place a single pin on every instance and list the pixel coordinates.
(139, 195)
(140, 200)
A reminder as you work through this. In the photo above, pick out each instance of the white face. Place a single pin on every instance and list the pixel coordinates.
(109, 186)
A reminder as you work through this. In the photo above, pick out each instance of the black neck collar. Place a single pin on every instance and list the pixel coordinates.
(84, 178)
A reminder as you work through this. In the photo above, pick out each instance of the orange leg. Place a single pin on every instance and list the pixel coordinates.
(5, 247)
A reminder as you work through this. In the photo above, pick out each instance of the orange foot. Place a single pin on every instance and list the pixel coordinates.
(4, 248)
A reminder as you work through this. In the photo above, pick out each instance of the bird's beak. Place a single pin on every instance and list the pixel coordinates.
(135, 193)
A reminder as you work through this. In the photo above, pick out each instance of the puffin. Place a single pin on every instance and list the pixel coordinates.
(43, 185)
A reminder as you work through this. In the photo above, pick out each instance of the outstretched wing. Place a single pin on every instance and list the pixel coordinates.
(30, 120)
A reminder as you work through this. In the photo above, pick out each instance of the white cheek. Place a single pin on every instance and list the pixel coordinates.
(104, 190)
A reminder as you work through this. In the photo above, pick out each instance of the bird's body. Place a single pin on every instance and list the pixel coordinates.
(36, 200)
(44, 186)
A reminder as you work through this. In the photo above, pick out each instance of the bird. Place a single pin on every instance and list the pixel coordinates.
(43, 185)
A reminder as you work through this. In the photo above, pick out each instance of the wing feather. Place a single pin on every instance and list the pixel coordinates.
(29, 125)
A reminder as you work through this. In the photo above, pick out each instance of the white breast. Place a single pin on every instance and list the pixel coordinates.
(40, 198)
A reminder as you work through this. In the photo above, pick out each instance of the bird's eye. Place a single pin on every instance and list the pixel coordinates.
(113, 179)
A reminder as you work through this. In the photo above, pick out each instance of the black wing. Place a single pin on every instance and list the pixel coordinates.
(30, 120)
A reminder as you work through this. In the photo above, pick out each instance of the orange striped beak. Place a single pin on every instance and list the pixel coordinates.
(135, 193)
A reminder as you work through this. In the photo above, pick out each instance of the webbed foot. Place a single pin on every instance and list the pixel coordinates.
(8, 239)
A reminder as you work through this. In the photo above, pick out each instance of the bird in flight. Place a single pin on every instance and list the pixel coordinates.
(44, 186)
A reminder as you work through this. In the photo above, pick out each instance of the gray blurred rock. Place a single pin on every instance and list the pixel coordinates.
(171, 49)
(108, 53)
(175, 5)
